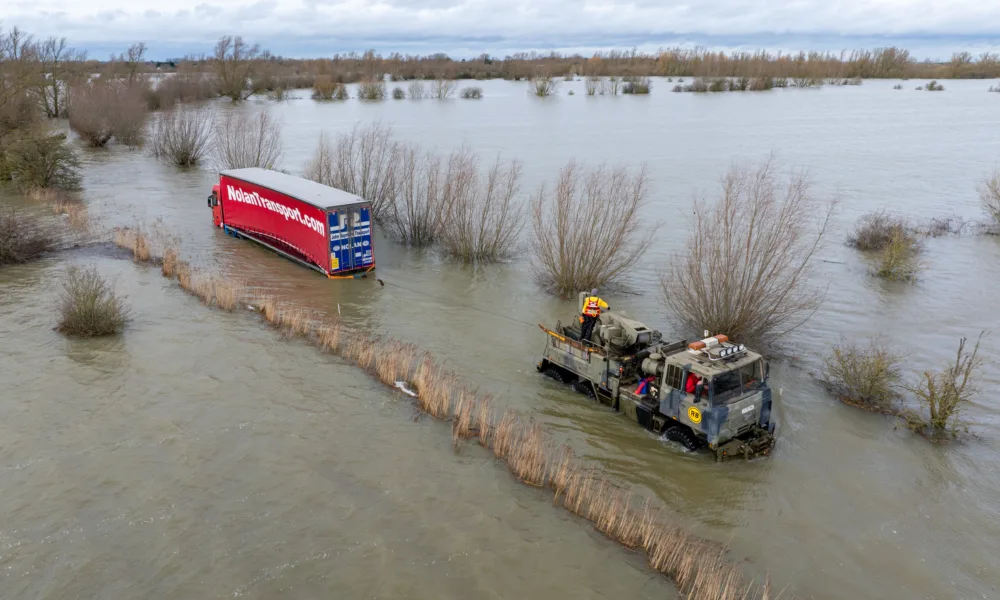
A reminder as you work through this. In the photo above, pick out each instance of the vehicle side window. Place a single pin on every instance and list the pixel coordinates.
(673, 377)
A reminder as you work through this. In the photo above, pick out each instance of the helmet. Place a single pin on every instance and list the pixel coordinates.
(593, 292)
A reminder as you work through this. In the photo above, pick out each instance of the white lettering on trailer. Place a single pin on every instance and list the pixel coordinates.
(293, 214)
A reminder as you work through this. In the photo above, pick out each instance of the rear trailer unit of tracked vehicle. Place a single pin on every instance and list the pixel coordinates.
(627, 366)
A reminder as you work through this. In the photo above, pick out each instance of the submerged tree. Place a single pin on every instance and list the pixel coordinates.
(587, 229)
(748, 260)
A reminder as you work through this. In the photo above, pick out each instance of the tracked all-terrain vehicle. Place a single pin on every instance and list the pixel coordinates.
(627, 366)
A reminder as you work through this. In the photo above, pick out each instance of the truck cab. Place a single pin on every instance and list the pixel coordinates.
(213, 203)
(629, 367)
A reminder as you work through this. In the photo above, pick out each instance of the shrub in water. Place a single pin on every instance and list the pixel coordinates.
(637, 85)
(323, 88)
(89, 305)
(945, 394)
(898, 260)
(472, 92)
(875, 230)
(371, 90)
(22, 238)
(416, 90)
(866, 376)
(39, 158)
(182, 136)
(398, 93)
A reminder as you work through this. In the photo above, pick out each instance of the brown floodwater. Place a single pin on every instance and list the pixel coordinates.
(200, 454)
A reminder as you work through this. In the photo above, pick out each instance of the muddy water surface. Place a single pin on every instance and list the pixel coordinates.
(201, 454)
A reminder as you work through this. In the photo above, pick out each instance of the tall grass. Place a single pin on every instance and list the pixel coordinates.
(89, 305)
(746, 269)
(22, 237)
(182, 136)
(865, 376)
(588, 228)
(245, 140)
(945, 394)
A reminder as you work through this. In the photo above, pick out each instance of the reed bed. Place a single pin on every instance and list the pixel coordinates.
(135, 240)
(700, 569)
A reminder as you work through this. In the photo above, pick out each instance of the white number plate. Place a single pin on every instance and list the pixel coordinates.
(748, 409)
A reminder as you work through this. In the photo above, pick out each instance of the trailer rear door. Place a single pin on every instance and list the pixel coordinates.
(350, 239)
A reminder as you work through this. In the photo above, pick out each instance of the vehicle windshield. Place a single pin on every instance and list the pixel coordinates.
(730, 386)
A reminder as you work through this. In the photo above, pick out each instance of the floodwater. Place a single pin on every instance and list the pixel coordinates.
(200, 454)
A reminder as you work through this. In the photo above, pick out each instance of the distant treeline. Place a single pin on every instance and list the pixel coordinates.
(881, 63)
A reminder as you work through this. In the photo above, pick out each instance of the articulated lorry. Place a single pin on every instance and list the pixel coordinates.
(315, 225)
(629, 367)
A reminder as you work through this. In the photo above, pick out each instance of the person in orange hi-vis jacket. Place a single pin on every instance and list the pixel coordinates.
(592, 306)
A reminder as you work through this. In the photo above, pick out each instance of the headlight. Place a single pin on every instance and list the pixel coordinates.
(742, 347)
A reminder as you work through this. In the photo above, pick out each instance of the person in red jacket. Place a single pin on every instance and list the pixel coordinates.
(691, 386)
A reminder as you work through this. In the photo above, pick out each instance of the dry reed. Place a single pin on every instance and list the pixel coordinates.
(135, 240)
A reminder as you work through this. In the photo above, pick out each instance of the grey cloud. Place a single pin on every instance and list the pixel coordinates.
(390, 24)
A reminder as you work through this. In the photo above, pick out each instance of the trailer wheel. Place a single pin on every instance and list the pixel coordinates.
(684, 436)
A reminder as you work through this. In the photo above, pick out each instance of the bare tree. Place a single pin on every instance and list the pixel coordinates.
(18, 68)
(748, 261)
(416, 90)
(587, 230)
(416, 214)
(234, 63)
(243, 140)
(483, 223)
(54, 63)
(441, 88)
(182, 136)
(362, 162)
(132, 60)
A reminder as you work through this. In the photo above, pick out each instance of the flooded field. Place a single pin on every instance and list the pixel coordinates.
(201, 454)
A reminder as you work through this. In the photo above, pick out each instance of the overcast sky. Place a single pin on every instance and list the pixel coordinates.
(298, 28)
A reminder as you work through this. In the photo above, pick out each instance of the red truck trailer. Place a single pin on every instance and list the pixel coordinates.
(318, 226)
